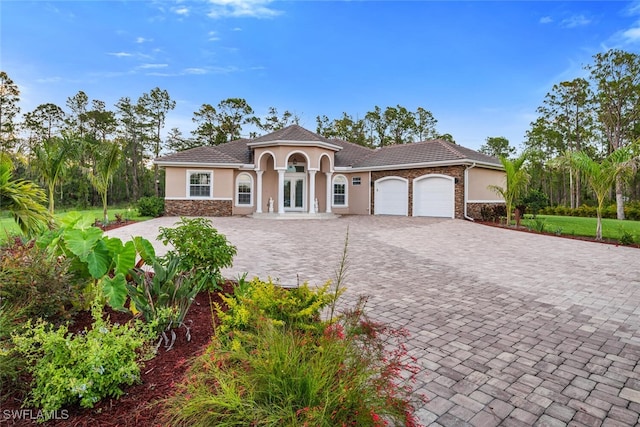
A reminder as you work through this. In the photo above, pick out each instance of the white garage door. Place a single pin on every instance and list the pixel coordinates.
(433, 195)
(391, 196)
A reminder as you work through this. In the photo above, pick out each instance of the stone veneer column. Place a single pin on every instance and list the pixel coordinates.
(329, 188)
(312, 191)
(259, 191)
(281, 190)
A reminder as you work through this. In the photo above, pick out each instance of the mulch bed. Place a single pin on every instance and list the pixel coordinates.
(137, 407)
(524, 229)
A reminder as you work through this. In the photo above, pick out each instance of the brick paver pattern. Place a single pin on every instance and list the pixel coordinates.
(509, 328)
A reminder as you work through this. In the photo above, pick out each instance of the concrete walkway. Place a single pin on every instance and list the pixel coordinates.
(510, 328)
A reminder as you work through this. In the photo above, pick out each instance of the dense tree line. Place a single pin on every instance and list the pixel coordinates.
(73, 152)
(595, 116)
(64, 149)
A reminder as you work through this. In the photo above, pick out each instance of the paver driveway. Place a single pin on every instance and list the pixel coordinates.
(510, 328)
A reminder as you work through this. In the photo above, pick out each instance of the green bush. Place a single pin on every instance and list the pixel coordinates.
(200, 248)
(35, 284)
(535, 200)
(165, 295)
(151, 206)
(255, 300)
(351, 372)
(81, 368)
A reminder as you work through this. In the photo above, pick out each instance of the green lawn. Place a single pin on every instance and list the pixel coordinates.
(579, 226)
(8, 225)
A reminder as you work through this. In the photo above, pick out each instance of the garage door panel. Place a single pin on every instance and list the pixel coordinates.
(434, 196)
(391, 197)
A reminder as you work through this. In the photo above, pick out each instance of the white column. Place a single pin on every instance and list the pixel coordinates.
(329, 190)
(259, 191)
(281, 190)
(312, 191)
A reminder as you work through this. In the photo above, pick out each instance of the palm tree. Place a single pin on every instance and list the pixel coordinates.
(516, 180)
(51, 161)
(24, 199)
(106, 167)
(601, 176)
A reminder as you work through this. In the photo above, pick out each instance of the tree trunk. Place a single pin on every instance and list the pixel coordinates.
(619, 199)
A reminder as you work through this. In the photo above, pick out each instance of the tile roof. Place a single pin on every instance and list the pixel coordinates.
(292, 133)
(354, 155)
(205, 154)
(351, 153)
(422, 152)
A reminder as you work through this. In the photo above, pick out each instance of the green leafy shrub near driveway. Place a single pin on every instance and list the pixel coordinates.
(151, 206)
(200, 248)
(294, 369)
(79, 368)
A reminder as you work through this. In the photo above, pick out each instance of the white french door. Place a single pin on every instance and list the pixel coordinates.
(294, 193)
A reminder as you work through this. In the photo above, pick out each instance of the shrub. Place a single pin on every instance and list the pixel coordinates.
(200, 248)
(626, 238)
(151, 206)
(493, 213)
(257, 300)
(165, 295)
(348, 373)
(535, 200)
(81, 368)
(36, 285)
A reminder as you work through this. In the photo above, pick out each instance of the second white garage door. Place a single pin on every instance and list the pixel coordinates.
(391, 196)
(433, 195)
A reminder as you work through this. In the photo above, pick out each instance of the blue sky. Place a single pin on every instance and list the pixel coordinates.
(482, 68)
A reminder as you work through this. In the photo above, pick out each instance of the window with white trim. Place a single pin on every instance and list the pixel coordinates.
(244, 190)
(339, 191)
(200, 184)
(356, 180)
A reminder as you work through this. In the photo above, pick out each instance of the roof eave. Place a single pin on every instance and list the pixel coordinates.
(322, 144)
(198, 164)
(461, 162)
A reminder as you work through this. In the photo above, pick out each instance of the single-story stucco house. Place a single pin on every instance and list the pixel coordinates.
(294, 171)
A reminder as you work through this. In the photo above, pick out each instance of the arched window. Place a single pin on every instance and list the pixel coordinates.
(339, 191)
(244, 190)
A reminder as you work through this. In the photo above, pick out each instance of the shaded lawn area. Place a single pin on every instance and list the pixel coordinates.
(579, 226)
(8, 226)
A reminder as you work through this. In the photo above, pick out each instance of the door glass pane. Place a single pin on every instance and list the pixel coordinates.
(299, 188)
(287, 193)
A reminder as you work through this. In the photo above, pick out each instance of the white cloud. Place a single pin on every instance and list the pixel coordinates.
(120, 54)
(195, 71)
(49, 80)
(575, 21)
(213, 36)
(546, 20)
(149, 66)
(241, 9)
(143, 40)
(633, 8)
(183, 11)
(632, 35)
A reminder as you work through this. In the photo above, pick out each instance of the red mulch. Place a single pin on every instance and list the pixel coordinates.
(563, 236)
(158, 375)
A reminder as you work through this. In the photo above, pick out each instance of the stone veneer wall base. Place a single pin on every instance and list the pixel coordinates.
(198, 207)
